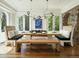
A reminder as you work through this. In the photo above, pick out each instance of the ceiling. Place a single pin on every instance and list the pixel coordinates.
(23, 5)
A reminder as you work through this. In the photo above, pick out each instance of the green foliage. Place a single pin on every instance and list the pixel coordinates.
(57, 23)
(50, 23)
(3, 22)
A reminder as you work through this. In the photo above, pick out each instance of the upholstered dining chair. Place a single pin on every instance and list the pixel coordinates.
(12, 35)
(67, 37)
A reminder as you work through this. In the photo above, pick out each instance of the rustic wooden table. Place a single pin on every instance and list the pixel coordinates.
(39, 41)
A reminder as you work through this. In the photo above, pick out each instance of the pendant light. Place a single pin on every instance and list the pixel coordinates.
(46, 10)
(28, 12)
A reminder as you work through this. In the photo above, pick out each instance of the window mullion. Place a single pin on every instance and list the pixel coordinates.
(53, 23)
(24, 23)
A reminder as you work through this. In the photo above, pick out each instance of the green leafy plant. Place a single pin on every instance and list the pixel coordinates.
(50, 23)
(57, 23)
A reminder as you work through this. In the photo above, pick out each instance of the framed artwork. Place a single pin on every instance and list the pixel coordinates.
(71, 19)
(38, 23)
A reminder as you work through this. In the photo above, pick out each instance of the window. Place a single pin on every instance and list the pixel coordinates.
(50, 23)
(3, 21)
(24, 23)
(57, 23)
(53, 23)
(21, 23)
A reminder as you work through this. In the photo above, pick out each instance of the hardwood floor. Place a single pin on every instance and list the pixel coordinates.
(43, 51)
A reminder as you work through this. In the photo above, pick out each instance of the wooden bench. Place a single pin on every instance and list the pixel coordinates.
(39, 41)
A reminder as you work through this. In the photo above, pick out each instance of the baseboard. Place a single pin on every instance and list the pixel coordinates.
(2, 42)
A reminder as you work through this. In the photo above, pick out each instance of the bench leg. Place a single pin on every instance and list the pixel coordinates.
(56, 47)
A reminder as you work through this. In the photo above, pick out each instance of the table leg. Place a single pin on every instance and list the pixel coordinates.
(18, 47)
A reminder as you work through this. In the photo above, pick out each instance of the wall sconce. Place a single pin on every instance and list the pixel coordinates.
(47, 0)
(52, 14)
(28, 12)
(31, 0)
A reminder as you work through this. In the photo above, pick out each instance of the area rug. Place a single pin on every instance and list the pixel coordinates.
(5, 49)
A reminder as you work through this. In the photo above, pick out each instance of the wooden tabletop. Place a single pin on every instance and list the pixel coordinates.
(41, 34)
(37, 41)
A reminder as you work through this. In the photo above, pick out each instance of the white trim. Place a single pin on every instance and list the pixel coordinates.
(6, 7)
(53, 24)
(60, 22)
(23, 23)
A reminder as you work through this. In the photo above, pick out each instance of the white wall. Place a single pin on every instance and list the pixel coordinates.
(10, 21)
(2, 34)
(70, 6)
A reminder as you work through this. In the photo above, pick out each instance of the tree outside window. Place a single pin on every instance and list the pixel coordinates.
(57, 23)
(50, 23)
(3, 22)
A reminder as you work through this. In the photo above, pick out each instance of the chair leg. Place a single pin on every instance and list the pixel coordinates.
(6, 43)
(62, 43)
(15, 43)
(72, 44)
